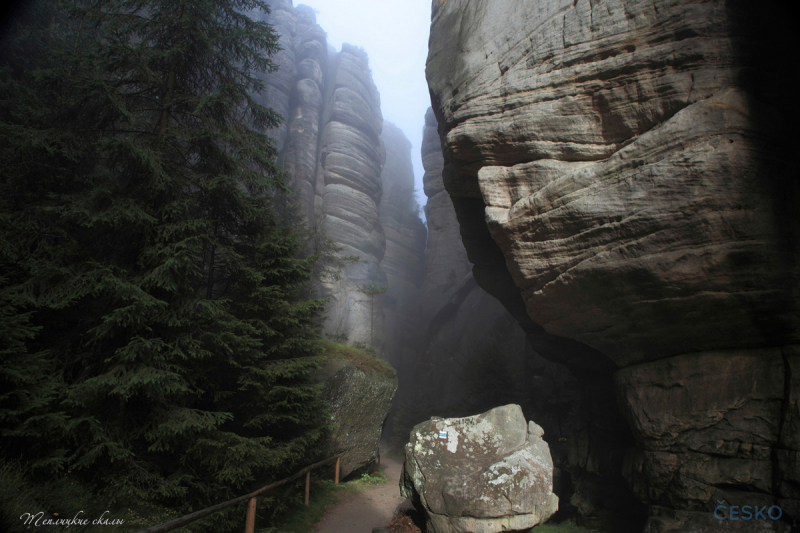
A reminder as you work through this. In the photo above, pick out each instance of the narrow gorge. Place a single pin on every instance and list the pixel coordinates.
(610, 240)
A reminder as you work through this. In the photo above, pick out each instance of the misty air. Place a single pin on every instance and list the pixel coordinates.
(384, 266)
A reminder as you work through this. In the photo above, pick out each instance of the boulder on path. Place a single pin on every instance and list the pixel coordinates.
(482, 474)
(359, 398)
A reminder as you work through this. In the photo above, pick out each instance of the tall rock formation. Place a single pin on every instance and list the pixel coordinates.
(331, 149)
(404, 260)
(621, 176)
(354, 185)
(348, 179)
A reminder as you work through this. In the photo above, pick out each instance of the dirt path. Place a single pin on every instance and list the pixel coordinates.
(375, 507)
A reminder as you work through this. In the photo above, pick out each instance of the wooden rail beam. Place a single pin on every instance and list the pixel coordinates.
(197, 515)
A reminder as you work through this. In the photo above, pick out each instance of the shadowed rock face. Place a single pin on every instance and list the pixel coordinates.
(404, 259)
(359, 400)
(621, 177)
(472, 355)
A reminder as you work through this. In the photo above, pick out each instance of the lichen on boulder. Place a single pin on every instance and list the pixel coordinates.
(359, 396)
(485, 473)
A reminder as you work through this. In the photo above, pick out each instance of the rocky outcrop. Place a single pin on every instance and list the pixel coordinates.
(620, 175)
(472, 354)
(404, 259)
(359, 400)
(299, 151)
(483, 473)
(331, 149)
(349, 165)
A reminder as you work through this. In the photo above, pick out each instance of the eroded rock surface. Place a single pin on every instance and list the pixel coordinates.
(484, 473)
(621, 176)
(471, 355)
(360, 399)
(331, 149)
(349, 165)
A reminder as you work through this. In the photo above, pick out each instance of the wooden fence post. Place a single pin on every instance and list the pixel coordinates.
(336, 475)
(250, 521)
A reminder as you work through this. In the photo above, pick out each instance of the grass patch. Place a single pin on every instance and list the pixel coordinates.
(63, 498)
(567, 526)
(361, 358)
(324, 494)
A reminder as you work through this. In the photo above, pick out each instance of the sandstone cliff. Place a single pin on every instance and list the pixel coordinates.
(331, 149)
(349, 164)
(470, 353)
(621, 177)
(404, 259)
(356, 200)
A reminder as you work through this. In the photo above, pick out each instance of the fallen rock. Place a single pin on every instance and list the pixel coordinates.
(484, 473)
(359, 399)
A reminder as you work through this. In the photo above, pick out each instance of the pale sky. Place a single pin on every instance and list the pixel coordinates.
(394, 34)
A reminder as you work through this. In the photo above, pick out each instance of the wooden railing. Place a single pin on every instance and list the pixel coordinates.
(250, 520)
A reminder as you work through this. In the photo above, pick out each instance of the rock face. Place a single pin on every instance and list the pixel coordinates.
(621, 177)
(360, 399)
(349, 165)
(471, 354)
(484, 473)
(331, 149)
(404, 259)
(331, 146)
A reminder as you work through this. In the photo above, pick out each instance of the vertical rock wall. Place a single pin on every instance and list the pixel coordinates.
(473, 355)
(404, 259)
(350, 188)
(348, 178)
(299, 154)
(622, 179)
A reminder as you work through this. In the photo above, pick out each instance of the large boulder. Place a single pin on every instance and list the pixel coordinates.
(483, 474)
(359, 400)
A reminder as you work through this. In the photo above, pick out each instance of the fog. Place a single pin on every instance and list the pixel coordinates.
(395, 35)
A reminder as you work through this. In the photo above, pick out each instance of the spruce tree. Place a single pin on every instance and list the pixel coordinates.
(149, 274)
